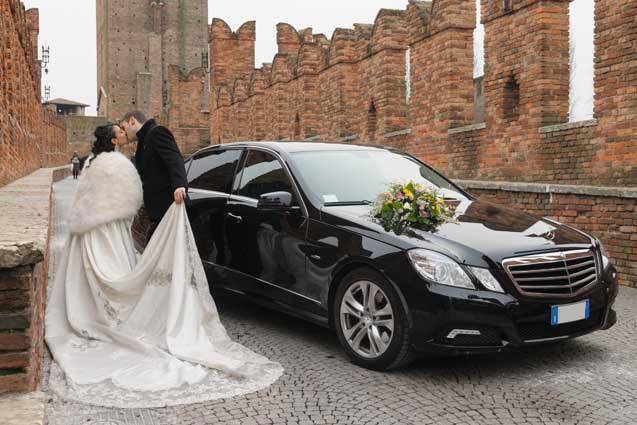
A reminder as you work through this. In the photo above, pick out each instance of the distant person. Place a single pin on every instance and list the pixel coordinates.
(159, 163)
(75, 161)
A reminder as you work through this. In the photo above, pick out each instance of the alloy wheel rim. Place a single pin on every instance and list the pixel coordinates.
(367, 319)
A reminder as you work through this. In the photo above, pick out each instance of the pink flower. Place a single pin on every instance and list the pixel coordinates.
(399, 196)
(424, 214)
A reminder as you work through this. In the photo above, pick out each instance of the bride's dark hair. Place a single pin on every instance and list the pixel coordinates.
(103, 136)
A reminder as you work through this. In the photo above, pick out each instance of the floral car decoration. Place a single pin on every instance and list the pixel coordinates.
(410, 205)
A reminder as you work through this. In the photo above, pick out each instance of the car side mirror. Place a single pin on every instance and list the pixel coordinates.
(275, 201)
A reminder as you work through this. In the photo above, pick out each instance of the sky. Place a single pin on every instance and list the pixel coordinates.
(68, 28)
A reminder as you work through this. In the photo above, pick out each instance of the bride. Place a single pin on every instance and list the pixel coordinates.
(129, 331)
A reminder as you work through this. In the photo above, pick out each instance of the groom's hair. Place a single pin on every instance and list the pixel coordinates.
(138, 115)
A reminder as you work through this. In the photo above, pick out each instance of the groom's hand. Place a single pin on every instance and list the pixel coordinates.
(180, 195)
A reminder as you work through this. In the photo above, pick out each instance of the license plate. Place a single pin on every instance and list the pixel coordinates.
(567, 313)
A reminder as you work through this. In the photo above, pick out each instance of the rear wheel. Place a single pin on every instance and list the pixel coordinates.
(371, 321)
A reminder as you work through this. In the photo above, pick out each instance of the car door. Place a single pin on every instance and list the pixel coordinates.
(210, 177)
(267, 246)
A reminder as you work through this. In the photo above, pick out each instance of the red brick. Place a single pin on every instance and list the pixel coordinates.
(628, 229)
(14, 360)
(16, 279)
(14, 382)
(14, 341)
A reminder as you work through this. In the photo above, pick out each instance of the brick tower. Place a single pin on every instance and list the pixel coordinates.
(137, 42)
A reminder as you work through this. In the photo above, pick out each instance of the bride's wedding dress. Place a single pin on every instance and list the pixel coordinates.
(137, 332)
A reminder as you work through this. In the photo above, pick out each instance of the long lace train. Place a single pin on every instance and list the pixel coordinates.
(129, 333)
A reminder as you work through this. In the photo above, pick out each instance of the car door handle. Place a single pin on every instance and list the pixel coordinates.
(236, 218)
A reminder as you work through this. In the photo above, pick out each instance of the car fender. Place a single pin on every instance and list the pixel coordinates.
(347, 265)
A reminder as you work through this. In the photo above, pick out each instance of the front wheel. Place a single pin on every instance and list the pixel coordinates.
(371, 321)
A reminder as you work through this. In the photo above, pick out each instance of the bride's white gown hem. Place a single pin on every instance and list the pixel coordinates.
(136, 332)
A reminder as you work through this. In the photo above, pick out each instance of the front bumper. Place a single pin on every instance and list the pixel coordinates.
(496, 322)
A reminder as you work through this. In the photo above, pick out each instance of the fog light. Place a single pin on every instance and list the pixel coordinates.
(457, 332)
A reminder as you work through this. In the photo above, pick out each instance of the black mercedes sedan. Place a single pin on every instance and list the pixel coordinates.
(288, 225)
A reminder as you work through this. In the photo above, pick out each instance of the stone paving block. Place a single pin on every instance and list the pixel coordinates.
(587, 380)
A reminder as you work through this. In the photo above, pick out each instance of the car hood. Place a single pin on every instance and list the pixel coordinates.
(481, 232)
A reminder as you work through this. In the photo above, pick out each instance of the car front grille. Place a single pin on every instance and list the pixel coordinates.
(555, 274)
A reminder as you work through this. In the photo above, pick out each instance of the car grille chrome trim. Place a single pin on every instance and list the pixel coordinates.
(556, 274)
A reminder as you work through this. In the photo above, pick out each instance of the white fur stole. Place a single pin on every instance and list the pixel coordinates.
(109, 189)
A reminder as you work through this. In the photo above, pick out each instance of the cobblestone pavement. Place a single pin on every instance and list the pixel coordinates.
(589, 380)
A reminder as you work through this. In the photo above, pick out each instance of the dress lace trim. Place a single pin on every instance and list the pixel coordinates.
(159, 277)
(214, 386)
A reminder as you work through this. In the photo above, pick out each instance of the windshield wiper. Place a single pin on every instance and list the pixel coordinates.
(347, 203)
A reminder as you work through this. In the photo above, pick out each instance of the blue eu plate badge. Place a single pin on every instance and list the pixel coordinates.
(567, 313)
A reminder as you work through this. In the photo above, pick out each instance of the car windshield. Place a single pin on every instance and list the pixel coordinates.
(359, 176)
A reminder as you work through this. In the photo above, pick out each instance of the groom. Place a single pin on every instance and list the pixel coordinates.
(159, 164)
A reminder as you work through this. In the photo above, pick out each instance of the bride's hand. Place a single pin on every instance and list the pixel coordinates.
(180, 195)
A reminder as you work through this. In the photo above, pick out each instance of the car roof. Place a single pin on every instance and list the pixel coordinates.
(291, 147)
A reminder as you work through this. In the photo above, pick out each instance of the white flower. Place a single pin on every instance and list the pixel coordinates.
(407, 206)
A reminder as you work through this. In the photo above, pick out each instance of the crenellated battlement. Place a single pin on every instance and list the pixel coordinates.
(300, 52)
(353, 86)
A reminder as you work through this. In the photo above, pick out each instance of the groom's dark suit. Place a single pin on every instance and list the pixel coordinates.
(161, 168)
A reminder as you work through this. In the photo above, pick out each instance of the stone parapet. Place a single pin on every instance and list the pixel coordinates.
(24, 231)
(602, 191)
(609, 213)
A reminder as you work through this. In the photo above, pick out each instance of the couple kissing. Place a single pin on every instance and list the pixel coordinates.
(131, 330)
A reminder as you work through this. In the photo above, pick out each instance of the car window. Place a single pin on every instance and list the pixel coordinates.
(263, 173)
(214, 170)
(367, 172)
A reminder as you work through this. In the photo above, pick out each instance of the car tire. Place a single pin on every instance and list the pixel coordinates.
(364, 333)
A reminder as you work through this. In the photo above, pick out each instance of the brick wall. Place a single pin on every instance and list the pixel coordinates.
(22, 291)
(526, 136)
(79, 132)
(615, 91)
(53, 138)
(510, 126)
(29, 136)
(188, 114)
(351, 87)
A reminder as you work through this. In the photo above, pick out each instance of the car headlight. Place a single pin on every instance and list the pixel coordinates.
(605, 257)
(486, 278)
(439, 268)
